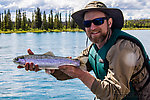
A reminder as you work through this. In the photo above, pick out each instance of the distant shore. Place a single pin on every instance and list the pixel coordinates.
(61, 30)
(39, 31)
(135, 28)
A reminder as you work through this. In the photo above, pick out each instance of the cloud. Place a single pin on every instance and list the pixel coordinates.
(137, 9)
(131, 8)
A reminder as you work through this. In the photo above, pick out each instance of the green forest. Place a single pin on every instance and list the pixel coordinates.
(51, 22)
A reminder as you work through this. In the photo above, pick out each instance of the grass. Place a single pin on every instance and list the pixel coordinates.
(135, 28)
(38, 30)
(58, 30)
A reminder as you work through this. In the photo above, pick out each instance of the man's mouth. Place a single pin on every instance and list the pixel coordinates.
(94, 33)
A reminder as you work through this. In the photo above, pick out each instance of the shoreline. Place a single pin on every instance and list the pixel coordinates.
(57, 30)
(39, 31)
(135, 28)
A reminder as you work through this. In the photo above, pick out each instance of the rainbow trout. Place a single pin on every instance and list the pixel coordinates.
(46, 61)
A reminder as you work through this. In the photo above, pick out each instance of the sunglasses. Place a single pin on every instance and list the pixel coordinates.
(97, 21)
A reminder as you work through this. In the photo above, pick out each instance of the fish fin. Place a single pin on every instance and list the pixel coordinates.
(49, 53)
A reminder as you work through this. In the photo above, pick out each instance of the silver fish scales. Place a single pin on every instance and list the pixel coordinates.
(46, 61)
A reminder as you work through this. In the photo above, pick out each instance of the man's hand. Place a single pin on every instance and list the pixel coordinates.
(72, 71)
(49, 71)
(76, 72)
(30, 65)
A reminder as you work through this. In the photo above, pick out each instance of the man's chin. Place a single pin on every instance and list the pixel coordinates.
(98, 40)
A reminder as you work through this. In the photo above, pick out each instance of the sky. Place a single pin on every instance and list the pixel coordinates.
(132, 9)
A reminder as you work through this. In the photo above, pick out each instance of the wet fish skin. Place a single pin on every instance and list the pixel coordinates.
(46, 61)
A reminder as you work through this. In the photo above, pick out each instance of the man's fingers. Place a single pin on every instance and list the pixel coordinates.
(30, 52)
(49, 71)
(52, 71)
(27, 66)
(31, 66)
(19, 67)
(69, 57)
(36, 68)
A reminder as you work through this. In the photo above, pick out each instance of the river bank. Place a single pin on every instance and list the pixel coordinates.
(135, 28)
(38, 30)
(60, 30)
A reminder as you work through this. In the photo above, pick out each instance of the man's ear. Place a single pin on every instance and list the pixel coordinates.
(110, 22)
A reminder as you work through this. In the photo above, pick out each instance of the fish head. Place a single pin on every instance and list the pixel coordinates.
(19, 60)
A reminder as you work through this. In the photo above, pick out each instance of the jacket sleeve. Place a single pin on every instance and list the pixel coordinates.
(125, 58)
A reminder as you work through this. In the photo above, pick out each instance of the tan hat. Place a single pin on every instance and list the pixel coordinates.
(114, 13)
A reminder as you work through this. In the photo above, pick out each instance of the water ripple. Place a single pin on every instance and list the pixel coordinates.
(21, 85)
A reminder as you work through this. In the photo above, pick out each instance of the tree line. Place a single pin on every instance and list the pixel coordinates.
(53, 21)
(38, 21)
(141, 23)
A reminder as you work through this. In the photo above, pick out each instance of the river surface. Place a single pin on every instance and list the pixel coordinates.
(18, 84)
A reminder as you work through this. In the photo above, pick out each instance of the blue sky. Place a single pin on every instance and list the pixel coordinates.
(132, 9)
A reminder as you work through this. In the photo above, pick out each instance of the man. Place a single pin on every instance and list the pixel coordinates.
(118, 59)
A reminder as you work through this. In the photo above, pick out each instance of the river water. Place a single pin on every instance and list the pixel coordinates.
(18, 84)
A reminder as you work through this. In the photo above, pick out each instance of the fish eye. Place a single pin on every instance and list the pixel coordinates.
(16, 59)
(21, 57)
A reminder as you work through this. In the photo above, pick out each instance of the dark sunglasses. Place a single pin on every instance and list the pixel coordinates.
(97, 21)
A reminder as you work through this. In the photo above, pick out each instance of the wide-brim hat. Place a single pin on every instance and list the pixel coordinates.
(114, 13)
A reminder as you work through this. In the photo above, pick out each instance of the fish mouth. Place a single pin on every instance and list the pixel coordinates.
(15, 60)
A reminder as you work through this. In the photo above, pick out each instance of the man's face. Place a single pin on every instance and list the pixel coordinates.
(96, 33)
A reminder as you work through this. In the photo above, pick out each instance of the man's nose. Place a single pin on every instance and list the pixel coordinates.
(93, 26)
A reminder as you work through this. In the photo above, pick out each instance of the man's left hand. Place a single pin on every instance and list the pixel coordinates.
(72, 71)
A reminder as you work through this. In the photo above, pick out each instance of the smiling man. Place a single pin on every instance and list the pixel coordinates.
(118, 59)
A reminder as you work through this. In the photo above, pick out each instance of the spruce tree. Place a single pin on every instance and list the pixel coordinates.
(51, 20)
(0, 21)
(33, 21)
(38, 20)
(69, 21)
(24, 21)
(5, 21)
(56, 22)
(29, 23)
(16, 20)
(66, 21)
(2, 25)
(9, 22)
(44, 23)
(19, 19)
(60, 21)
(73, 24)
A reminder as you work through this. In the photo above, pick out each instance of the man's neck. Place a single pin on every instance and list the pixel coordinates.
(100, 45)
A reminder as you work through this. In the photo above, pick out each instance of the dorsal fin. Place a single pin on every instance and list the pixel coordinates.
(49, 53)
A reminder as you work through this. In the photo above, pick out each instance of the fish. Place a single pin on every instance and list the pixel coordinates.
(46, 61)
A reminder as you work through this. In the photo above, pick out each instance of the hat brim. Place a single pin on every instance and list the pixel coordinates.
(114, 13)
